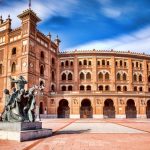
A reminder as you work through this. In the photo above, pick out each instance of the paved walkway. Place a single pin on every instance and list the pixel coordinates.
(89, 134)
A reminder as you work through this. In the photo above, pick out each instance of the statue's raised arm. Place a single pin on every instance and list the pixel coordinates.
(20, 82)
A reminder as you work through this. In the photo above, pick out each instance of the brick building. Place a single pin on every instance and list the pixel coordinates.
(77, 84)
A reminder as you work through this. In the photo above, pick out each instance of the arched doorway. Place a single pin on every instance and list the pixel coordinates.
(41, 111)
(130, 109)
(148, 109)
(109, 109)
(63, 109)
(86, 110)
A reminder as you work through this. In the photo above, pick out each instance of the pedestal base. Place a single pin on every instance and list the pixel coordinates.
(23, 131)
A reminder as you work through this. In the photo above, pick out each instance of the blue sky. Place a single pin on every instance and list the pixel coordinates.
(90, 24)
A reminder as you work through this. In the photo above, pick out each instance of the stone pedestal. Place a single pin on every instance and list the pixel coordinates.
(23, 131)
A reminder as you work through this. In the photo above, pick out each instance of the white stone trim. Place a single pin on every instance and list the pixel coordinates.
(120, 116)
(43, 116)
(98, 116)
(141, 116)
(74, 116)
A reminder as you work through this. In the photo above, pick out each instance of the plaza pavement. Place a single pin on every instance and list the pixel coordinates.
(89, 134)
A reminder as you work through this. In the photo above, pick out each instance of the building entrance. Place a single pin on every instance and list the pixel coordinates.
(86, 110)
(148, 109)
(130, 109)
(63, 109)
(109, 109)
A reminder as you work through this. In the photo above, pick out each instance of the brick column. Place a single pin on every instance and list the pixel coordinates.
(145, 76)
(94, 73)
(130, 74)
(113, 74)
(76, 74)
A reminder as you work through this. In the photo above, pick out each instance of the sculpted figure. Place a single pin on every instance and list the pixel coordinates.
(20, 105)
(6, 111)
(30, 107)
(20, 82)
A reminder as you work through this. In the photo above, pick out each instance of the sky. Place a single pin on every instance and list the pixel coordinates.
(89, 24)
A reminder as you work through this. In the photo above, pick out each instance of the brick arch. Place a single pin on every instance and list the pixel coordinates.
(109, 108)
(86, 109)
(63, 109)
(130, 109)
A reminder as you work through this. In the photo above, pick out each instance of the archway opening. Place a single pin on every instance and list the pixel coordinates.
(109, 109)
(63, 109)
(148, 109)
(41, 111)
(86, 110)
(130, 109)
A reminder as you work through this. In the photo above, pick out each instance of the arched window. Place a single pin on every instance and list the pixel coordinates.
(70, 88)
(12, 85)
(88, 76)
(81, 76)
(118, 88)
(85, 62)
(70, 76)
(100, 88)
(140, 89)
(80, 63)
(53, 76)
(107, 76)
(124, 88)
(81, 88)
(134, 77)
(53, 61)
(141, 66)
(107, 88)
(42, 70)
(135, 88)
(62, 64)
(63, 77)
(53, 88)
(42, 55)
(1, 69)
(14, 51)
(13, 67)
(71, 63)
(63, 88)
(103, 62)
(98, 63)
(149, 78)
(88, 88)
(118, 76)
(125, 64)
(137, 64)
(124, 77)
(90, 63)
(41, 83)
(107, 63)
(116, 63)
(100, 76)
(133, 64)
(67, 63)
(120, 63)
(140, 78)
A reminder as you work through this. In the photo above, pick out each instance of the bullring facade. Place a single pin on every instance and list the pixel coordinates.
(76, 84)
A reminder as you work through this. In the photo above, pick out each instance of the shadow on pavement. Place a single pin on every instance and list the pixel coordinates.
(72, 132)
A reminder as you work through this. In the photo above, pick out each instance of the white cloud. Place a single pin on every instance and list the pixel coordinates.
(138, 41)
(111, 12)
(44, 9)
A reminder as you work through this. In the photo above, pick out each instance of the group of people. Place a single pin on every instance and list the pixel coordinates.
(20, 105)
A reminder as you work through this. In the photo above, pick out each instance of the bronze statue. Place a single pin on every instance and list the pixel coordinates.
(20, 82)
(20, 105)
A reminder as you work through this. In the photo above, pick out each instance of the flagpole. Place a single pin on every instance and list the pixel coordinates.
(29, 4)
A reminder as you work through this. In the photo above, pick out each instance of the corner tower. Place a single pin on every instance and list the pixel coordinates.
(29, 22)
